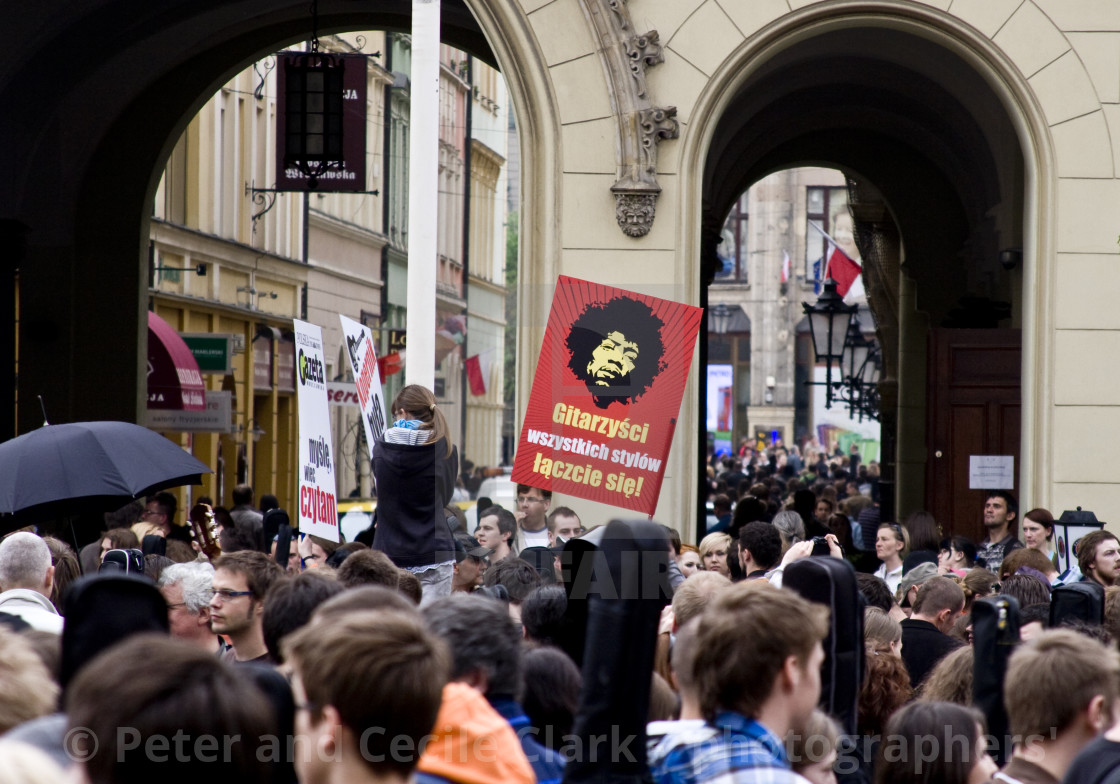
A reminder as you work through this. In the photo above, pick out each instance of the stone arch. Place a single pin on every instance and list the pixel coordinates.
(1018, 100)
(102, 98)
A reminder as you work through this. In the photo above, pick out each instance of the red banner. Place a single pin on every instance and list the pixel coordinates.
(474, 376)
(606, 394)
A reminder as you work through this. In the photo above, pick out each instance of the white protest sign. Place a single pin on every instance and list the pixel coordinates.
(363, 361)
(317, 512)
(991, 472)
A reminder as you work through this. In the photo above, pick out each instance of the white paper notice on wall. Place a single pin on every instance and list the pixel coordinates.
(991, 472)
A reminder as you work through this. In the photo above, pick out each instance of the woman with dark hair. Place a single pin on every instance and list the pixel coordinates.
(1038, 533)
(66, 569)
(935, 742)
(805, 504)
(822, 510)
(925, 534)
(957, 556)
(748, 510)
(415, 465)
(734, 566)
(841, 526)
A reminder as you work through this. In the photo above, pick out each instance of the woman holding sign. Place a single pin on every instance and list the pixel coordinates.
(415, 465)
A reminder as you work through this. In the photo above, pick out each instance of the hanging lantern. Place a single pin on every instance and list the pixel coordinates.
(313, 112)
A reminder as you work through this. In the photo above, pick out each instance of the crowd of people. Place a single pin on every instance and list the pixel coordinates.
(428, 652)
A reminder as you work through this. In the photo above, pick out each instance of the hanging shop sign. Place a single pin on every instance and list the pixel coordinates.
(351, 175)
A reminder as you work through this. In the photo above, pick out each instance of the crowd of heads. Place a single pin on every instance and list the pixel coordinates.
(334, 661)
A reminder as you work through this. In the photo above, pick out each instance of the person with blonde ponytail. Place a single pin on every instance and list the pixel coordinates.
(415, 466)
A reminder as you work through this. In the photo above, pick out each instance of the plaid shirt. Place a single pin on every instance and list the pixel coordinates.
(734, 750)
(991, 554)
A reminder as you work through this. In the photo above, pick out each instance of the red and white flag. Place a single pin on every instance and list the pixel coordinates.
(842, 269)
(785, 266)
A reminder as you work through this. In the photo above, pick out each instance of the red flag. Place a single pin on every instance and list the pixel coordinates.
(842, 269)
(785, 266)
(474, 376)
(390, 364)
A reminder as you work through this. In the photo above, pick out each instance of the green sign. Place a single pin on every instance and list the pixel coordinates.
(213, 353)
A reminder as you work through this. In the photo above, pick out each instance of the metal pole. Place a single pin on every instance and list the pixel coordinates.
(423, 194)
(466, 252)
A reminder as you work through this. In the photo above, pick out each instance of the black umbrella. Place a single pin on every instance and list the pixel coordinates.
(87, 467)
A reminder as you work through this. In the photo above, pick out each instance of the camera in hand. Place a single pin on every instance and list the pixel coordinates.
(820, 546)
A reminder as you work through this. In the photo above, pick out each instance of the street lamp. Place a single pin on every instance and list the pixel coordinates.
(856, 350)
(866, 384)
(829, 318)
(719, 318)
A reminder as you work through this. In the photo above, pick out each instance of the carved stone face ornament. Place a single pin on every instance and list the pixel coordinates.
(641, 124)
(635, 212)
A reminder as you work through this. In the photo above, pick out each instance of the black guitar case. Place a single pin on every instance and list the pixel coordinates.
(995, 633)
(1082, 601)
(623, 605)
(832, 582)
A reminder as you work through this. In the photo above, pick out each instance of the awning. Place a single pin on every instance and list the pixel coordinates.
(173, 378)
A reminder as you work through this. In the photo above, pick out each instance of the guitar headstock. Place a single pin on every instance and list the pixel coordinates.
(204, 529)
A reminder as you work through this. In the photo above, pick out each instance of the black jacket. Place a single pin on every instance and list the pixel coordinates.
(923, 646)
(414, 484)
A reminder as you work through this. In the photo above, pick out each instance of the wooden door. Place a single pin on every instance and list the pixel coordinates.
(973, 408)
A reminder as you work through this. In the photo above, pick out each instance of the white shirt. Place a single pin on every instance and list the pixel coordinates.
(535, 538)
(892, 578)
(32, 607)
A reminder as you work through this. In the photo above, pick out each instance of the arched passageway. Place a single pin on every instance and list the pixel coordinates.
(95, 101)
(936, 186)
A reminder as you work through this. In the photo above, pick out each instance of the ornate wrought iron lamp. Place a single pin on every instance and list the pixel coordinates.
(829, 319)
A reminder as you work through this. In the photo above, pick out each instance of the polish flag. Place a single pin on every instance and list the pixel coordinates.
(785, 267)
(842, 269)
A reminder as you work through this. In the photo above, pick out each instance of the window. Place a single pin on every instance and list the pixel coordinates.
(825, 210)
(732, 248)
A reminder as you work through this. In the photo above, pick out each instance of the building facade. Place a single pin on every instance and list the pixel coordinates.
(979, 140)
(273, 256)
